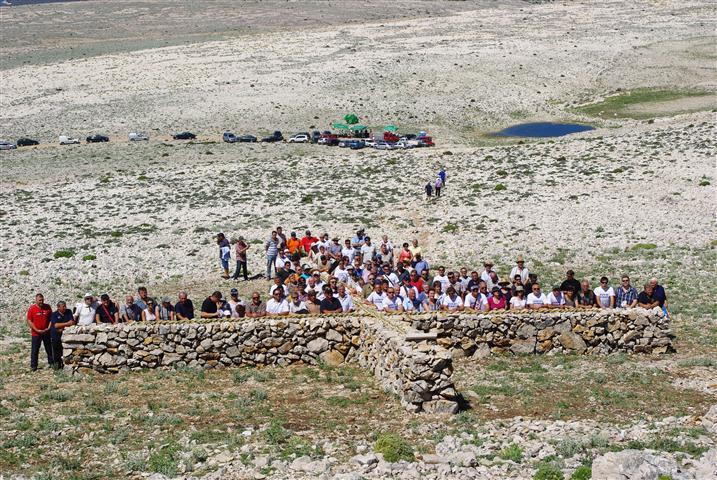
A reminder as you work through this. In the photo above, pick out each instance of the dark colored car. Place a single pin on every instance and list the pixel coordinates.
(274, 137)
(26, 142)
(97, 138)
(184, 136)
(246, 138)
(357, 144)
(315, 135)
(229, 137)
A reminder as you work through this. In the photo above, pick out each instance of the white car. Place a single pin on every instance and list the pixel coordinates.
(300, 138)
(7, 145)
(138, 136)
(403, 144)
(67, 140)
(369, 142)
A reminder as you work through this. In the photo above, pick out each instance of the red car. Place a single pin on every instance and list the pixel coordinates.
(390, 137)
(426, 141)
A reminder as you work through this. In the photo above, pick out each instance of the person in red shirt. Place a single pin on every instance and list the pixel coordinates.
(38, 318)
(307, 241)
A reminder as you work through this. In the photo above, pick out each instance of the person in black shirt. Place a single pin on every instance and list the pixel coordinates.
(330, 304)
(646, 298)
(107, 311)
(60, 319)
(570, 283)
(184, 309)
(209, 306)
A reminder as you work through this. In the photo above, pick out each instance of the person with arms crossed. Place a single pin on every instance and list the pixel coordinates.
(38, 319)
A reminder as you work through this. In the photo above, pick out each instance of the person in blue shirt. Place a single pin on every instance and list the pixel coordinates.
(420, 264)
(442, 174)
(60, 319)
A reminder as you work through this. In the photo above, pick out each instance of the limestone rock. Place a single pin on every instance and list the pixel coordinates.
(318, 345)
(332, 357)
(635, 465)
(572, 341)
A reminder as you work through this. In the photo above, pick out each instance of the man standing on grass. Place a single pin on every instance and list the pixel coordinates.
(60, 319)
(38, 318)
(240, 247)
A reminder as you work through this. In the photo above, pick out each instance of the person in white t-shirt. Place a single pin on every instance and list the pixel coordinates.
(556, 299)
(277, 284)
(605, 294)
(340, 272)
(368, 249)
(85, 311)
(518, 301)
(485, 275)
(347, 304)
(451, 301)
(277, 305)
(389, 276)
(405, 288)
(348, 251)
(442, 277)
(391, 302)
(376, 297)
(234, 302)
(476, 300)
(520, 269)
(537, 299)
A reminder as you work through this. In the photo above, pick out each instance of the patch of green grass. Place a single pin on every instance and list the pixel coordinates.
(64, 253)
(548, 471)
(393, 448)
(643, 246)
(512, 452)
(618, 105)
(450, 228)
(499, 187)
(164, 460)
(89, 257)
(276, 434)
(698, 362)
(583, 472)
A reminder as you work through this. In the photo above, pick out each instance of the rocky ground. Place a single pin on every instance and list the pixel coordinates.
(634, 196)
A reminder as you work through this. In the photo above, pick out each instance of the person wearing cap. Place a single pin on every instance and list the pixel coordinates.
(556, 299)
(570, 283)
(334, 250)
(475, 300)
(277, 304)
(60, 319)
(236, 305)
(520, 269)
(86, 310)
(505, 292)
(536, 299)
(106, 311)
(184, 308)
(256, 308)
(307, 242)
(626, 295)
(224, 253)
(485, 274)
(271, 248)
(451, 301)
(518, 301)
(38, 319)
(240, 249)
(130, 311)
(496, 301)
(585, 296)
(165, 310)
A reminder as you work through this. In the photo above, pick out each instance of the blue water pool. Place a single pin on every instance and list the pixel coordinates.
(542, 129)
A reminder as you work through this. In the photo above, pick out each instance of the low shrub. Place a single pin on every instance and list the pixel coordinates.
(393, 448)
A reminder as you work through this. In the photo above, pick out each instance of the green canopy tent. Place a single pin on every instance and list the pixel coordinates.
(358, 128)
(390, 128)
(351, 119)
(339, 126)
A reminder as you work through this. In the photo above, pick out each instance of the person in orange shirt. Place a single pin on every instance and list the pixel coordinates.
(293, 244)
(38, 318)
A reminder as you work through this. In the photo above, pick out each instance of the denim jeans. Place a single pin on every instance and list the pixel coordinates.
(241, 265)
(270, 263)
(225, 263)
(35, 349)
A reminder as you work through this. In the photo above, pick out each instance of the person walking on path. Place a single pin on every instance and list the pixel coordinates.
(271, 247)
(442, 175)
(439, 185)
(224, 253)
(38, 318)
(429, 189)
(240, 247)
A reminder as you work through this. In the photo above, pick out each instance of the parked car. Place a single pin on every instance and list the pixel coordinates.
(246, 139)
(26, 142)
(229, 137)
(328, 139)
(315, 135)
(184, 136)
(384, 145)
(300, 138)
(357, 144)
(138, 137)
(369, 142)
(7, 145)
(403, 144)
(390, 137)
(344, 142)
(67, 140)
(97, 138)
(274, 137)
(425, 142)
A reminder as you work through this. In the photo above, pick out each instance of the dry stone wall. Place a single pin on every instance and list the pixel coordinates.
(417, 368)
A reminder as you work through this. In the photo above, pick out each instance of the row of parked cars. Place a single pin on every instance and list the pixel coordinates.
(387, 141)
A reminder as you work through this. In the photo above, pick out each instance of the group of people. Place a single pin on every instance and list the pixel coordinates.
(324, 275)
(436, 185)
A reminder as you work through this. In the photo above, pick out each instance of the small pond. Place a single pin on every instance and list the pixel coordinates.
(542, 129)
